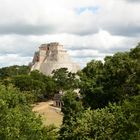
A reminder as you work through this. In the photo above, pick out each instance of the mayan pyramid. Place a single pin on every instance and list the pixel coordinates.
(52, 56)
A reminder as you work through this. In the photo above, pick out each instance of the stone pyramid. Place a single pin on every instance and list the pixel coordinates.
(52, 56)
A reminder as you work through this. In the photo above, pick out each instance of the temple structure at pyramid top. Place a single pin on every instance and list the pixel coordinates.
(52, 56)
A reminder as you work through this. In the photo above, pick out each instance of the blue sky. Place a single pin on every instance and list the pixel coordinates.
(93, 9)
(88, 29)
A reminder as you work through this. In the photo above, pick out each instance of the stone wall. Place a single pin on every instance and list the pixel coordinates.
(52, 56)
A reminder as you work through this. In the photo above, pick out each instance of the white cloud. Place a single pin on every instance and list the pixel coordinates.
(60, 16)
(80, 48)
(13, 59)
(102, 27)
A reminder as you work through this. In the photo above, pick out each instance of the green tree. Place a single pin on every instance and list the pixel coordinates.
(40, 85)
(7, 72)
(71, 105)
(72, 108)
(110, 123)
(65, 80)
(91, 87)
(115, 80)
(27, 83)
(49, 87)
(17, 121)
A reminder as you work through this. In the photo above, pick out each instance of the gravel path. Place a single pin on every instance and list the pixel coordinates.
(49, 113)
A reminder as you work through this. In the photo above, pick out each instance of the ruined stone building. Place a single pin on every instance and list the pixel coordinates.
(57, 100)
(50, 57)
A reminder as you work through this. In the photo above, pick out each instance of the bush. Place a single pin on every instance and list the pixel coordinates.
(17, 121)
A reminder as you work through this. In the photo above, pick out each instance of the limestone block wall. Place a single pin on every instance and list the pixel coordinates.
(42, 55)
(52, 56)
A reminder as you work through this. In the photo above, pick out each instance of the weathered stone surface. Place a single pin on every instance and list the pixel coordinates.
(52, 56)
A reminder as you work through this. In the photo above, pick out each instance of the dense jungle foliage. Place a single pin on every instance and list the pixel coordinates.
(107, 106)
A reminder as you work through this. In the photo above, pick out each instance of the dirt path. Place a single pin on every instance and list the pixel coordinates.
(50, 114)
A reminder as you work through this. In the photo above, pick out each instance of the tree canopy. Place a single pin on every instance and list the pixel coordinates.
(17, 121)
(114, 80)
(107, 107)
